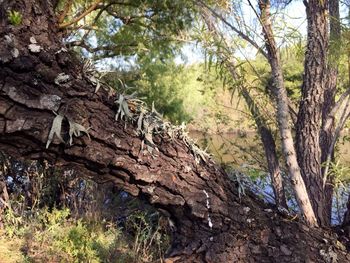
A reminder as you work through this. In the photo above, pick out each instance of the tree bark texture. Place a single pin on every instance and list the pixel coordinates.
(308, 125)
(212, 223)
(283, 116)
(328, 122)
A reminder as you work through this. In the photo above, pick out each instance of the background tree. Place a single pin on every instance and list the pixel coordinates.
(315, 122)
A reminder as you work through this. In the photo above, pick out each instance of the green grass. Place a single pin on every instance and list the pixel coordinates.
(56, 236)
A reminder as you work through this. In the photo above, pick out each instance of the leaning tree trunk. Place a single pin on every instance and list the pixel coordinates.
(212, 223)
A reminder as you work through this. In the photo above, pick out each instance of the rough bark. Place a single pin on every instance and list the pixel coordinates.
(283, 116)
(212, 223)
(308, 126)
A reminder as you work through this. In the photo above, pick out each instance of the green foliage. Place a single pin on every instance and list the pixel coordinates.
(132, 28)
(14, 17)
(48, 235)
(143, 34)
(146, 234)
(293, 79)
(79, 243)
(54, 236)
(340, 173)
(162, 84)
(14, 223)
(174, 89)
(55, 216)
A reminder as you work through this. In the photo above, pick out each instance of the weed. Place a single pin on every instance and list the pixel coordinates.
(15, 17)
(55, 216)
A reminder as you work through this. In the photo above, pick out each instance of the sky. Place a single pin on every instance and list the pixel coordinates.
(292, 17)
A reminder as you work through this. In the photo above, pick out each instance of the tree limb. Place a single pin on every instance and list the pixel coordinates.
(345, 115)
(236, 30)
(261, 123)
(337, 106)
(85, 13)
(65, 11)
(112, 48)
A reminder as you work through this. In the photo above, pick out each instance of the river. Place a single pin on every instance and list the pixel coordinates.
(228, 147)
(244, 152)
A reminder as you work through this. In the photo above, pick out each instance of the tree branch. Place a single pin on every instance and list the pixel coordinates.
(236, 30)
(84, 45)
(345, 115)
(65, 11)
(283, 116)
(85, 13)
(128, 19)
(336, 107)
(260, 121)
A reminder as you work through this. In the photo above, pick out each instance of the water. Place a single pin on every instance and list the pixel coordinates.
(236, 147)
(244, 152)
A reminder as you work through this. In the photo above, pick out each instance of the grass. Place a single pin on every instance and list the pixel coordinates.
(55, 236)
(68, 218)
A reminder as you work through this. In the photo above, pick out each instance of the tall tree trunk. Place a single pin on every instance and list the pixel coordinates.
(270, 151)
(283, 116)
(328, 124)
(308, 125)
(212, 223)
(262, 127)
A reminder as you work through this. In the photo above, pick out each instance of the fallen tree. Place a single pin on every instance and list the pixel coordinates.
(45, 92)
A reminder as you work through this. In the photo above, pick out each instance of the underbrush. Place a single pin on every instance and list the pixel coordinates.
(50, 215)
(56, 236)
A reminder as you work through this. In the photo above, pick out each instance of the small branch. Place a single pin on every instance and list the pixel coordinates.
(239, 32)
(129, 19)
(87, 28)
(81, 43)
(85, 13)
(340, 126)
(336, 108)
(95, 21)
(256, 13)
(5, 203)
(65, 11)
(340, 101)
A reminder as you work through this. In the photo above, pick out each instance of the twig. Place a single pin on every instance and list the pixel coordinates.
(239, 32)
(66, 9)
(340, 126)
(4, 203)
(85, 13)
(337, 106)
